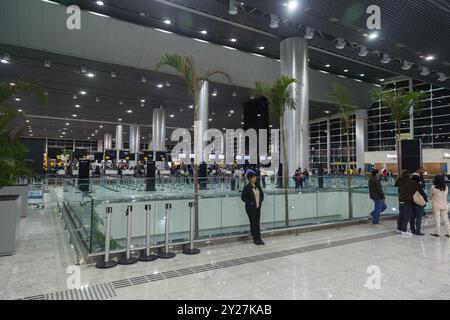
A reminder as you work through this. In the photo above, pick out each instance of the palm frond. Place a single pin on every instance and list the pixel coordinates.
(7, 90)
(213, 71)
(184, 66)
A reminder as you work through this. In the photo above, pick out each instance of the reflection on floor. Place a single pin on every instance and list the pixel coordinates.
(321, 266)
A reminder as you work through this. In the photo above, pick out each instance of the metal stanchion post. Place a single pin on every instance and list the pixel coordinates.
(107, 263)
(127, 258)
(146, 255)
(165, 253)
(191, 249)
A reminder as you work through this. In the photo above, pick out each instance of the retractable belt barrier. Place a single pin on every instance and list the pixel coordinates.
(165, 253)
(107, 263)
(127, 258)
(146, 255)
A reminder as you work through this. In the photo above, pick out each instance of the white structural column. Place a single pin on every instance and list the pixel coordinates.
(107, 141)
(135, 136)
(119, 137)
(100, 146)
(202, 124)
(159, 130)
(361, 137)
(411, 112)
(294, 63)
(328, 145)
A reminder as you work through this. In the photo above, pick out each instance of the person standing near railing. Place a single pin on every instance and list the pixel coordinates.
(253, 197)
(406, 190)
(377, 195)
(417, 210)
(439, 195)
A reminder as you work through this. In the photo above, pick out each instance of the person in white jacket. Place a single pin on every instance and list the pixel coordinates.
(438, 195)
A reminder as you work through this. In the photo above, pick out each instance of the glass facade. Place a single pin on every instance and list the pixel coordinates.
(319, 132)
(431, 119)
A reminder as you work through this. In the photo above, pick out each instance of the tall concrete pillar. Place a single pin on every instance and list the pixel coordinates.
(328, 145)
(99, 145)
(135, 136)
(159, 130)
(119, 137)
(202, 124)
(107, 141)
(362, 138)
(294, 63)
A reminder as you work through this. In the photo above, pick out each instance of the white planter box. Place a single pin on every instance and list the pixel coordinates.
(9, 223)
(22, 191)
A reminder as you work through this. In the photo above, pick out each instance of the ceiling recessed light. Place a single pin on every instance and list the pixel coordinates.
(373, 35)
(191, 107)
(63, 133)
(17, 99)
(209, 119)
(77, 106)
(172, 115)
(74, 115)
(143, 100)
(167, 21)
(204, 32)
(83, 93)
(327, 111)
(233, 39)
(129, 111)
(101, 127)
(261, 47)
(19, 110)
(4, 61)
(292, 4)
(430, 57)
(100, 3)
(27, 121)
(231, 111)
(12, 84)
(160, 85)
(90, 75)
(119, 119)
(214, 94)
(327, 65)
(67, 124)
(346, 70)
(381, 80)
(362, 74)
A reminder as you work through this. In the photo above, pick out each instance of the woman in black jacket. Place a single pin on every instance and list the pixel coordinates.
(406, 190)
(253, 196)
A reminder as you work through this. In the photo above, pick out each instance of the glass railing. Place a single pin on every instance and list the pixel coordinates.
(221, 212)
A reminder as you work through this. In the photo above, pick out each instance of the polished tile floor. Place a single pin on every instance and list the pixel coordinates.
(389, 267)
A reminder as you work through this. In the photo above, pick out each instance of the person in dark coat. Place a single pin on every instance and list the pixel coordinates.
(406, 190)
(253, 196)
(377, 195)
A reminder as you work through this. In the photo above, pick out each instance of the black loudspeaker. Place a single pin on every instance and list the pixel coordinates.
(84, 174)
(202, 174)
(411, 158)
(151, 176)
(256, 116)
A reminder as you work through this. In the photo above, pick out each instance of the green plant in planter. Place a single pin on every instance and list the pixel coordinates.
(12, 152)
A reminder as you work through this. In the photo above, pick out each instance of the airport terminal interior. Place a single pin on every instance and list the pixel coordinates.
(224, 150)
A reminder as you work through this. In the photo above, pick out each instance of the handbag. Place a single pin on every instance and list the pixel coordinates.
(419, 200)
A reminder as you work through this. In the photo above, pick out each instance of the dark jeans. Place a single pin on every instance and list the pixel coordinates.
(297, 184)
(416, 218)
(380, 206)
(404, 216)
(254, 215)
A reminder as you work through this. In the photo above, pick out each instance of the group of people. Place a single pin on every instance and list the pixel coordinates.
(413, 199)
(301, 178)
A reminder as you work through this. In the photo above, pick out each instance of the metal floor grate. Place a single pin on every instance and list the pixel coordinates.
(92, 292)
(107, 290)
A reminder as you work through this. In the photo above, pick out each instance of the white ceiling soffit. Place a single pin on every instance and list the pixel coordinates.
(41, 25)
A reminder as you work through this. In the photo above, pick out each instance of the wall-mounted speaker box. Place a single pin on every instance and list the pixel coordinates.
(411, 158)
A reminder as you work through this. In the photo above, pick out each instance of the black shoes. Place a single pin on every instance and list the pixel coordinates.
(435, 235)
(259, 242)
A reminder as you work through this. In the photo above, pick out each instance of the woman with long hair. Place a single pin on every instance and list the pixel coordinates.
(438, 195)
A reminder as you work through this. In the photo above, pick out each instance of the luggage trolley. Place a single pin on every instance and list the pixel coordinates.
(36, 194)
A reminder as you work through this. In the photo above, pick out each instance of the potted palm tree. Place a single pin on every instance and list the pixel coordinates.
(399, 103)
(280, 96)
(12, 166)
(194, 80)
(343, 98)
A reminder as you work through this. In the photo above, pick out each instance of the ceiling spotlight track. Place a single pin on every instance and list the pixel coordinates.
(233, 10)
(309, 33)
(386, 58)
(442, 76)
(341, 43)
(274, 21)
(363, 51)
(424, 71)
(407, 65)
